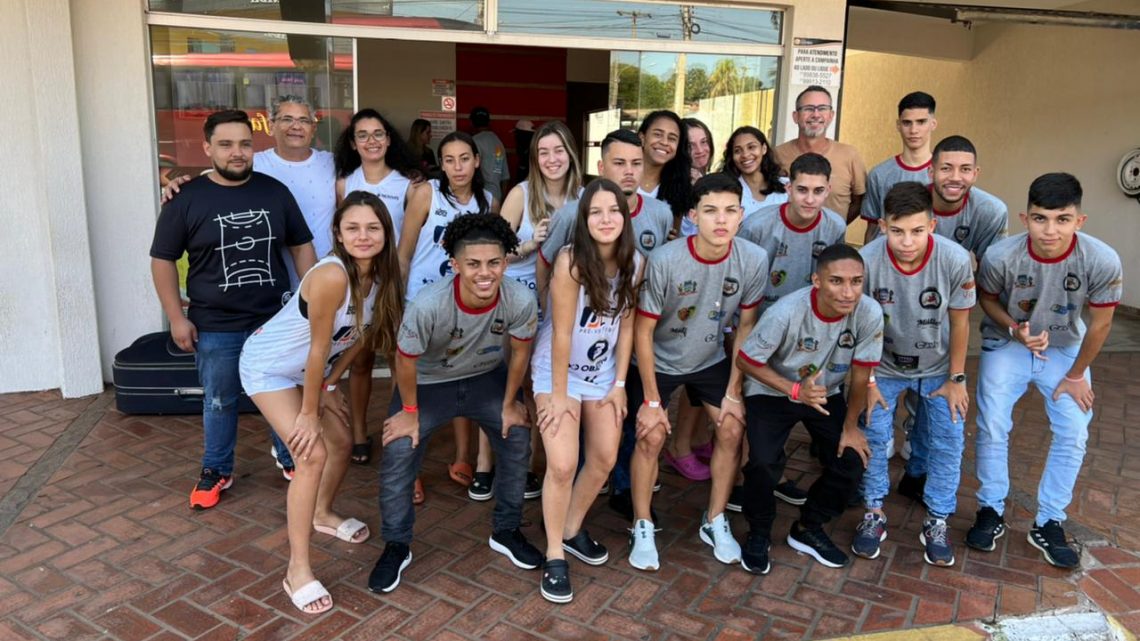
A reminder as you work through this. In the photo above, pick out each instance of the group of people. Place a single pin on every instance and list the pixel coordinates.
(569, 316)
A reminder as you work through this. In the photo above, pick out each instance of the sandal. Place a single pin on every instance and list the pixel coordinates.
(418, 497)
(350, 531)
(362, 452)
(310, 593)
(689, 466)
(461, 473)
(704, 452)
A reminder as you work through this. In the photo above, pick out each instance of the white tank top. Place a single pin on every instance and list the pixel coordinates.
(524, 270)
(280, 347)
(592, 344)
(430, 262)
(393, 190)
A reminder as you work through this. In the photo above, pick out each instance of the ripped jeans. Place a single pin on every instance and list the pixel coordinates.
(217, 358)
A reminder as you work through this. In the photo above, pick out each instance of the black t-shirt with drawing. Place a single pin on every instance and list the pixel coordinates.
(234, 237)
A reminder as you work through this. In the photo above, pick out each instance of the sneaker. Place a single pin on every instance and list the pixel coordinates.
(209, 489)
(908, 427)
(870, 532)
(816, 544)
(385, 575)
(533, 486)
(605, 488)
(1050, 539)
(912, 487)
(481, 486)
(790, 493)
(735, 499)
(287, 469)
(718, 534)
(935, 538)
(988, 527)
(643, 546)
(515, 547)
(556, 581)
(754, 557)
(657, 487)
(587, 550)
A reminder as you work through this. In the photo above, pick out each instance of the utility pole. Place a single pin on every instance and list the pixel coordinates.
(633, 16)
(679, 77)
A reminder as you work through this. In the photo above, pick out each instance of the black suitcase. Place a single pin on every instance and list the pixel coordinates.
(154, 376)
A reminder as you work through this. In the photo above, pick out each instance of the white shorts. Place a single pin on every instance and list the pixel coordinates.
(576, 388)
(254, 382)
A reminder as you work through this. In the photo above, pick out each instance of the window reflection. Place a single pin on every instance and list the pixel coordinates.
(464, 15)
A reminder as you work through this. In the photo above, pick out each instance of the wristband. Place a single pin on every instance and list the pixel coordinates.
(871, 381)
(411, 409)
(331, 387)
(1075, 380)
(796, 391)
(728, 397)
(619, 384)
(652, 404)
(1012, 330)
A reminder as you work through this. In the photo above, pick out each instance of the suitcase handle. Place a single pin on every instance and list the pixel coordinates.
(189, 393)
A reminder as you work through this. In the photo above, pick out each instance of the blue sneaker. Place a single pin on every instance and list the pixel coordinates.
(934, 536)
(870, 532)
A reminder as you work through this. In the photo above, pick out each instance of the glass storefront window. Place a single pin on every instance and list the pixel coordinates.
(463, 15)
(641, 21)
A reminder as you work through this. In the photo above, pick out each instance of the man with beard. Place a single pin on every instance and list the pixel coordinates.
(813, 116)
(967, 215)
(234, 224)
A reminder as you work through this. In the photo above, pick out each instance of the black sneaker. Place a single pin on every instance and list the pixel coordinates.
(754, 555)
(735, 499)
(514, 545)
(815, 543)
(586, 549)
(385, 575)
(789, 493)
(556, 581)
(481, 486)
(622, 503)
(1050, 539)
(912, 487)
(988, 528)
(533, 486)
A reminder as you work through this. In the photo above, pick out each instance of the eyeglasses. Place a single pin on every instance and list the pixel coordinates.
(365, 136)
(289, 121)
(811, 109)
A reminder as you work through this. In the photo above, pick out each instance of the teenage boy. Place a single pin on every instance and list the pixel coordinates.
(235, 225)
(915, 124)
(796, 361)
(1034, 287)
(693, 287)
(449, 364)
(926, 290)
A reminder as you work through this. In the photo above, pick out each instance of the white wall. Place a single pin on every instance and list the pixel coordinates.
(395, 77)
(48, 335)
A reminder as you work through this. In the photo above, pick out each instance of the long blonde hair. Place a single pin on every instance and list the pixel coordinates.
(388, 308)
(537, 204)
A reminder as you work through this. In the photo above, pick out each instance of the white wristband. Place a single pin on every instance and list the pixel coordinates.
(619, 384)
(653, 404)
(330, 387)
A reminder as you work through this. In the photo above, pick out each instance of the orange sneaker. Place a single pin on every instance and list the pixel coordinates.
(209, 489)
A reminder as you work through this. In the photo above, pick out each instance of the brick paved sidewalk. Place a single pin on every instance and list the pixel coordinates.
(106, 547)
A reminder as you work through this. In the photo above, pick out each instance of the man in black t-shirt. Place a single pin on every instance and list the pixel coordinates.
(233, 223)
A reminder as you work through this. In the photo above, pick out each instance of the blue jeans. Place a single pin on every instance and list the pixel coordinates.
(216, 356)
(944, 443)
(918, 436)
(479, 398)
(1005, 370)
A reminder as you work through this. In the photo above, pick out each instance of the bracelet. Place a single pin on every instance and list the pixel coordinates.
(619, 384)
(331, 387)
(728, 397)
(411, 409)
(652, 404)
(871, 381)
(1075, 380)
(1012, 329)
(796, 391)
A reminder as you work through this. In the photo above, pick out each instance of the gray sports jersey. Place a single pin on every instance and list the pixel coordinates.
(796, 341)
(885, 175)
(693, 300)
(916, 317)
(651, 223)
(452, 341)
(1050, 294)
(980, 221)
(791, 250)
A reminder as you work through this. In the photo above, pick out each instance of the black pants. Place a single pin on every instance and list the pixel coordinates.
(769, 421)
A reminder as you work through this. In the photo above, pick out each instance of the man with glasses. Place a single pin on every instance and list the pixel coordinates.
(813, 115)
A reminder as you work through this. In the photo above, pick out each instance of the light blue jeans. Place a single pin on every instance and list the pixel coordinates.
(943, 441)
(1005, 370)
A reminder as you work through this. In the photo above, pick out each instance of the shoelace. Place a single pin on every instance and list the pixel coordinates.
(937, 533)
(868, 526)
(208, 480)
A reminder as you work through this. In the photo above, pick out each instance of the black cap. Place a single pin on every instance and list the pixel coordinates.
(480, 117)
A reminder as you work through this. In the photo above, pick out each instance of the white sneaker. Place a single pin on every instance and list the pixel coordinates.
(718, 534)
(643, 546)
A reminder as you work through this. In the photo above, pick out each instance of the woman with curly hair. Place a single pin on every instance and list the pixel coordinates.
(668, 167)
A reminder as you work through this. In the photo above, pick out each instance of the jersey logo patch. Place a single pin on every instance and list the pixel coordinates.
(685, 313)
(778, 277)
(716, 315)
(961, 232)
(807, 344)
(1072, 282)
(1063, 309)
(1027, 304)
(457, 333)
(904, 362)
(1023, 281)
(838, 368)
(598, 350)
(490, 349)
(925, 345)
(928, 322)
(498, 326)
(884, 296)
(781, 250)
(807, 370)
(930, 298)
(731, 286)
(648, 239)
(847, 339)
(817, 247)
(687, 288)
(589, 319)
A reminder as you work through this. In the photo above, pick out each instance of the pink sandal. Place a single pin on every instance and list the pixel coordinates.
(704, 452)
(689, 466)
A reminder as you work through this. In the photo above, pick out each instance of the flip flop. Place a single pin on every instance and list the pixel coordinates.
(461, 473)
(688, 466)
(418, 497)
(346, 531)
(362, 452)
(309, 594)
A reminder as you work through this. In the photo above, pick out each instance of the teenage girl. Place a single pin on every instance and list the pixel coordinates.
(668, 167)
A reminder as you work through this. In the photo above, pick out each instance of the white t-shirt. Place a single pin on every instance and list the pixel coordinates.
(313, 184)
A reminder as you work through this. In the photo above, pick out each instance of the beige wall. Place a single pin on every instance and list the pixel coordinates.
(395, 77)
(1033, 100)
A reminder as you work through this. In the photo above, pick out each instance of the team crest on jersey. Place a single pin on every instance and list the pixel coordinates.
(440, 211)
(1027, 305)
(456, 333)
(589, 320)
(816, 248)
(490, 349)
(716, 315)
(498, 326)
(452, 352)
(682, 330)
(904, 362)
(847, 339)
(687, 288)
(838, 368)
(1023, 281)
(598, 350)
(1072, 282)
(685, 313)
(807, 370)
(778, 277)
(930, 298)
(731, 286)
(884, 296)
(781, 250)
(961, 232)
(648, 239)
(1063, 309)
(807, 344)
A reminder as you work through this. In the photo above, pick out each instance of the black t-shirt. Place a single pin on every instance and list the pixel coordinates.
(234, 237)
